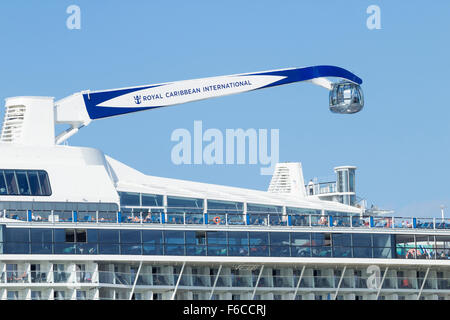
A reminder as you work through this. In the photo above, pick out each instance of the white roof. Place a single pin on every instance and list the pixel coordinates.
(130, 180)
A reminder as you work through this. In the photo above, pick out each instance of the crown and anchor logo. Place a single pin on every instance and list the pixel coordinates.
(137, 99)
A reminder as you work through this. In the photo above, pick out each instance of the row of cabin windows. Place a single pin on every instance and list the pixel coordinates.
(192, 205)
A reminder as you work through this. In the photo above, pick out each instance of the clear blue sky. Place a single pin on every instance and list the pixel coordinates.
(400, 141)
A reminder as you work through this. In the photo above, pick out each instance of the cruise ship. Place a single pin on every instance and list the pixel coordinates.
(76, 224)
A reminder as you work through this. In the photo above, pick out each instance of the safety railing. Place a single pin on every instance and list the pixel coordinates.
(226, 219)
(252, 279)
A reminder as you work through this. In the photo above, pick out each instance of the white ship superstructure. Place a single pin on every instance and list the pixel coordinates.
(77, 224)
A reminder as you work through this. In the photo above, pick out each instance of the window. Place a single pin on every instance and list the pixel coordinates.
(13, 295)
(152, 241)
(302, 211)
(225, 206)
(178, 202)
(24, 182)
(70, 235)
(129, 199)
(59, 295)
(35, 295)
(108, 241)
(81, 295)
(152, 200)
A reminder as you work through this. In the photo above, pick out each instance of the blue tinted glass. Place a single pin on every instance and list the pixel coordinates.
(106, 248)
(217, 237)
(11, 182)
(237, 238)
(321, 251)
(34, 183)
(279, 238)
(198, 250)
(382, 240)
(129, 199)
(17, 235)
(260, 208)
(217, 250)
(174, 237)
(151, 200)
(342, 252)
(385, 253)
(362, 252)
(280, 251)
(362, 240)
(152, 236)
(24, 188)
(41, 235)
(216, 205)
(131, 249)
(2, 184)
(87, 248)
(302, 211)
(45, 183)
(130, 236)
(259, 250)
(41, 248)
(152, 249)
(108, 236)
(17, 248)
(342, 239)
(174, 249)
(301, 238)
(178, 202)
(318, 239)
(92, 235)
(259, 238)
(196, 237)
(235, 250)
(65, 248)
(60, 235)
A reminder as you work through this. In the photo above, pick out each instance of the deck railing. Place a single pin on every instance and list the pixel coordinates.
(227, 219)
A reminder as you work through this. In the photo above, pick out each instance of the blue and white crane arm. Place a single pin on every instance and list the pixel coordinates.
(81, 108)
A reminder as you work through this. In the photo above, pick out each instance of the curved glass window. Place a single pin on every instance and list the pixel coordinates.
(24, 182)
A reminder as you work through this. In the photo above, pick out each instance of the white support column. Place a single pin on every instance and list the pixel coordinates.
(298, 283)
(257, 282)
(215, 282)
(382, 281)
(178, 281)
(423, 284)
(340, 281)
(135, 281)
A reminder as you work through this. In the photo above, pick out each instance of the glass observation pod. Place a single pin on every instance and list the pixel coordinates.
(346, 98)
